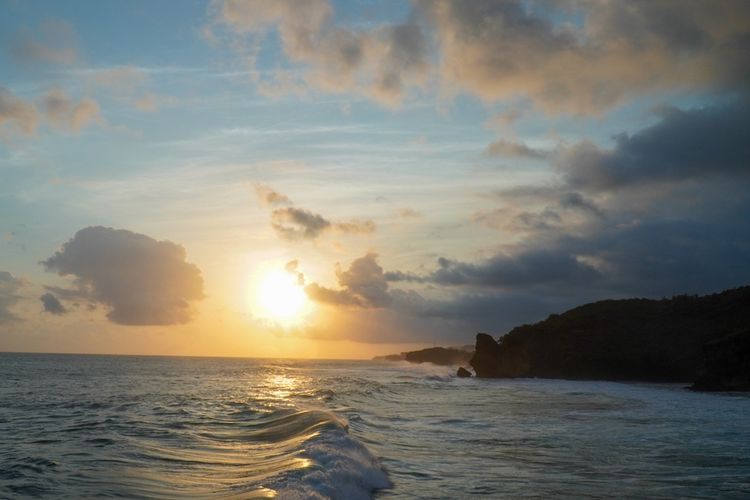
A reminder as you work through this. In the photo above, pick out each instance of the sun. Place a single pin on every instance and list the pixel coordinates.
(281, 298)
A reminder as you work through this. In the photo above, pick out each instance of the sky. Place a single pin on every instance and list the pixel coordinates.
(343, 179)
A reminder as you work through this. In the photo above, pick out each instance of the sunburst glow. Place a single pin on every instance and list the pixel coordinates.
(281, 299)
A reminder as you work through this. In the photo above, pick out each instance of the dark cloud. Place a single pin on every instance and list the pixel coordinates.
(270, 197)
(297, 223)
(9, 287)
(293, 223)
(403, 276)
(140, 280)
(549, 272)
(666, 256)
(385, 314)
(655, 258)
(52, 305)
(529, 268)
(576, 201)
(693, 144)
(558, 208)
(363, 285)
(700, 251)
(502, 147)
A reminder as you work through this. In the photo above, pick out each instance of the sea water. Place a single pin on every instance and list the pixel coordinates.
(160, 427)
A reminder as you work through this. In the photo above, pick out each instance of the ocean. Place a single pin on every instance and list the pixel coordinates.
(74, 426)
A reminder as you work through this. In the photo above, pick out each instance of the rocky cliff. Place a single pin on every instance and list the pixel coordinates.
(448, 356)
(633, 339)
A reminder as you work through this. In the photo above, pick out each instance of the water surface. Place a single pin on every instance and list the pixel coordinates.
(151, 427)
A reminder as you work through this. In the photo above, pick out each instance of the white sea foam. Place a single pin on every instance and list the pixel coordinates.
(340, 468)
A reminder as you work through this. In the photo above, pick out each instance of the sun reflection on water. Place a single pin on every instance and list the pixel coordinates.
(282, 386)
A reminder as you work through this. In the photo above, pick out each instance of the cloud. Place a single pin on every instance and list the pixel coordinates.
(528, 268)
(355, 226)
(363, 285)
(538, 208)
(579, 57)
(408, 213)
(270, 197)
(550, 273)
(9, 287)
(372, 311)
(16, 114)
(379, 62)
(65, 114)
(297, 223)
(292, 223)
(502, 147)
(55, 107)
(140, 280)
(584, 57)
(576, 201)
(292, 268)
(55, 42)
(691, 144)
(52, 305)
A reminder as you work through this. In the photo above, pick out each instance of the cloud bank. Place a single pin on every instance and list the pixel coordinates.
(579, 57)
(140, 280)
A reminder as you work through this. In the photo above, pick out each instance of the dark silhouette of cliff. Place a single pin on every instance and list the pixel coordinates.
(448, 356)
(632, 339)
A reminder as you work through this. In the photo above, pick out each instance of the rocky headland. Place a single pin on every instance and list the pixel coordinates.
(705, 340)
(446, 356)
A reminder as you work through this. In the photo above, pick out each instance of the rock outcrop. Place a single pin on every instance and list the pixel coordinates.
(463, 372)
(447, 356)
(633, 339)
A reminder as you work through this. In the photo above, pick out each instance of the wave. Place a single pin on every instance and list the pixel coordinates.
(339, 467)
(283, 454)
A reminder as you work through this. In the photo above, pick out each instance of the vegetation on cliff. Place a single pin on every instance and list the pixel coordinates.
(632, 339)
(448, 356)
